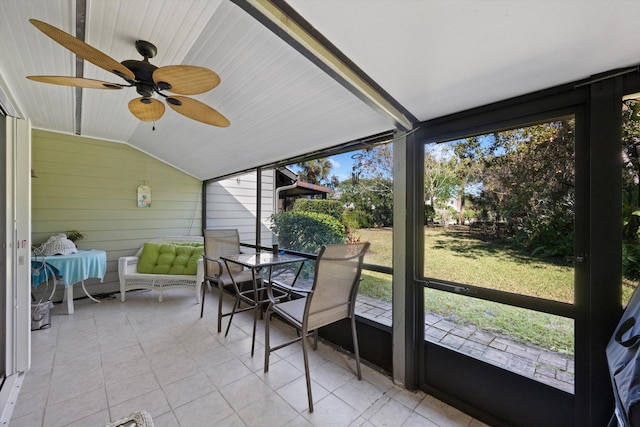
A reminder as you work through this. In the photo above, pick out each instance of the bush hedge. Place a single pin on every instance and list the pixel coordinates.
(332, 208)
(307, 231)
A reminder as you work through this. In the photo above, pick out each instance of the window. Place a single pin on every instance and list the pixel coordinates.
(350, 197)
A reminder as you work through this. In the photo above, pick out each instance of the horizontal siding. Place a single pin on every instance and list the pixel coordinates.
(91, 186)
(231, 203)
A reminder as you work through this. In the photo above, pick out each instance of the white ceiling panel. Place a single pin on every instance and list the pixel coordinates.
(26, 51)
(434, 57)
(113, 26)
(438, 57)
(279, 104)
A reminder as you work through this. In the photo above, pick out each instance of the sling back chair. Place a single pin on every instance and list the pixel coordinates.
(331, 298)
(219, 243)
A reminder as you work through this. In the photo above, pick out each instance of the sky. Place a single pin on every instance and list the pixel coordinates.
(342, 165)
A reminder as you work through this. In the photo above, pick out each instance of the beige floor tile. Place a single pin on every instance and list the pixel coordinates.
(213, 357)
(176, 371)
(442, 414)
(280, 373)
(29, 419)
(331, 411)
(124, 354)
(391, 414)
(154, 402)
(167, 419)
(256, 362)
(245, 391)
(74, 382)
(111, 359)
(410, 399)
(227, 372)
(359, 394)
(269, 410)
(77, 408)
(231, 421)
(299, 421)
(117, 372)
(206, 410)
(131, 387)
(187, 389)
(28, 403)
(331, 376)
(98, 419)
(295, 393)
(417, 420)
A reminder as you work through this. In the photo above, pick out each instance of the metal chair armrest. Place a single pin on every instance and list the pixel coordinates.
(220, 265)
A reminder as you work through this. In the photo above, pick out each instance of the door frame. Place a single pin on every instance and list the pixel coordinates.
(493, 394)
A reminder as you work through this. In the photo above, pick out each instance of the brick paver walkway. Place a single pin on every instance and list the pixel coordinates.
(548, 367)
(554, 369)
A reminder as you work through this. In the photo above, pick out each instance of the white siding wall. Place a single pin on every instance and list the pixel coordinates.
(231, 203)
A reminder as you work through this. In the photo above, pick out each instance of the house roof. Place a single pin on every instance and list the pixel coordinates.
(413, 61)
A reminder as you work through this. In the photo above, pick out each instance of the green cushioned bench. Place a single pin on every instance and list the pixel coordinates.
(162, 264)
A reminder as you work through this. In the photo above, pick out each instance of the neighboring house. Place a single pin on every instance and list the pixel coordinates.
(232, 203)
(289, 188)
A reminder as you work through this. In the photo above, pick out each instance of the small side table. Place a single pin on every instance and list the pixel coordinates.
(75, 268)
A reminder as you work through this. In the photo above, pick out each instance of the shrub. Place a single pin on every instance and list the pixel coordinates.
(446, 215)
(332, 208)
(429, 214)
(358, 219)
(307, 231)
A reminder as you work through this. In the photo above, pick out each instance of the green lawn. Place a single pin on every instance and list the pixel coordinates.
(461, 256)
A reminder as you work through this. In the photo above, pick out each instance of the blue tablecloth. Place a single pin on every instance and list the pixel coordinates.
(73, 268)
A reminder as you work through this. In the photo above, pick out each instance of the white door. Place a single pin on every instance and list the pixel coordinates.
(16, 246)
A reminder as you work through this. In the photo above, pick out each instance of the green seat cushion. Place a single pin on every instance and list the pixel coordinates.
(167, 258)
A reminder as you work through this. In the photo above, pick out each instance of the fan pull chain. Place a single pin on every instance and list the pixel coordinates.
(153, 128)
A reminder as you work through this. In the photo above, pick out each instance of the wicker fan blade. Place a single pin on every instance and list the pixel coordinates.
(196, 110)
(76, 82)
(186, 79)
(146, 109)
(83, 50)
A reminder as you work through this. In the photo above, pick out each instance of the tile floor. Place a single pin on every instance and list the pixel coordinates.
(110, 359)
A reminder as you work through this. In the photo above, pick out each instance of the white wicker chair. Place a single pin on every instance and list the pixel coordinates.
(130, 278)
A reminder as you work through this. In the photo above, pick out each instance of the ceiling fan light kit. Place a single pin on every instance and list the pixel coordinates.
(148, 79)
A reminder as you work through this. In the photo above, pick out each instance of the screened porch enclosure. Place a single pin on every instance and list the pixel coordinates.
(582, 307)
(504, 233)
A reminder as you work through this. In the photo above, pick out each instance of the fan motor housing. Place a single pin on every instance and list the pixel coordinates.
(143, 70)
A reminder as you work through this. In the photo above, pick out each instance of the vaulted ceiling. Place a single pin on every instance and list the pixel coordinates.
(425, 58)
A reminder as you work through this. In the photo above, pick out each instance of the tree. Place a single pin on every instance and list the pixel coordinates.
(467, 169)
(440, 181)
(315, 171)
(372, 191)
(529, 179)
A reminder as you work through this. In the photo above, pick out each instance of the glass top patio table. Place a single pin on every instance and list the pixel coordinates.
(262, 259)
(255, 297)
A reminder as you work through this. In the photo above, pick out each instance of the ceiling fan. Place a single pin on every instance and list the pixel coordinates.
(148, 79)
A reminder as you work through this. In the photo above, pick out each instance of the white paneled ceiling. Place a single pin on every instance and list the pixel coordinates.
(434, 57)
(438, 57)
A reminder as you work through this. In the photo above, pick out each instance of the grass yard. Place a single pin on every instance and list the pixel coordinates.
(462, 256)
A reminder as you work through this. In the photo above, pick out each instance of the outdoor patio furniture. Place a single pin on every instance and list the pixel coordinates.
(331, 298)
(218, 243)
(131, 277)
(263, 289)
